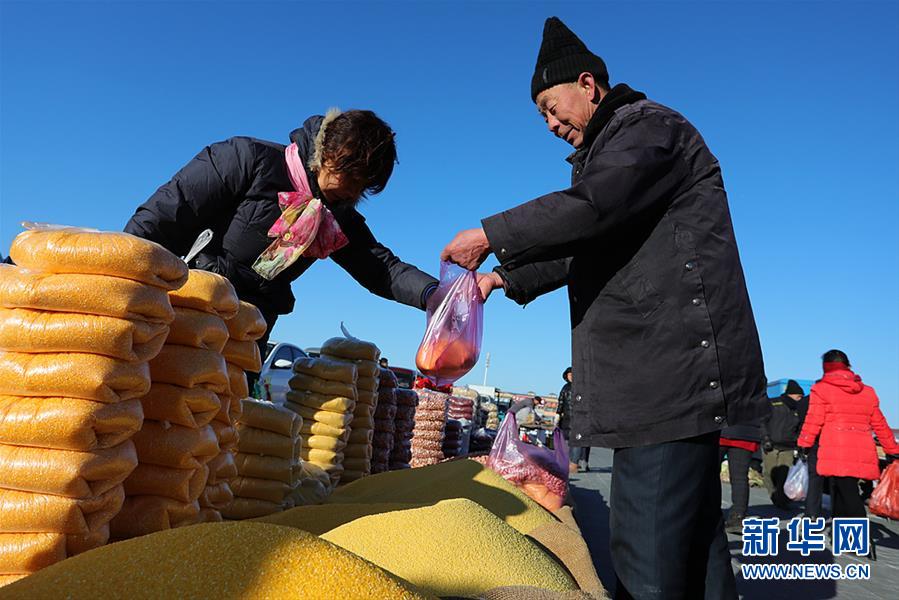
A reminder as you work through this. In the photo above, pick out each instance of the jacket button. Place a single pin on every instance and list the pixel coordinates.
(577, 398)
(689, 266)
(578, 436)
(696, 301)
(713, 385)
(704, 343)
(502, 250)
(719, 419)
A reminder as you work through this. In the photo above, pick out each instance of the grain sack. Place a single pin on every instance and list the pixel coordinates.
(364, 411)
(222, 468)
(25, 512)
(357, 451)
(361, 436)
(141, 515)
(321, 457)
(175, 446)
(270, 417)
(322, 386)
(198, 329)
(33, 331)
(249, 508)
(209, 515)
(87, 376)
(226, 436)
(352, 348)
(237, 379)
(357, 464)
(367, 398)
(326, 368)
(229, 409)
(83, 294)
(67, 423)
(440, 548)
(189, 407)
(248, 324)
(73, 250)
(288, 563)
(337, 420)
(385, 412)
(387, 379)
(406, 397)
(28, 552)
(65, 472)
(216, 496)
(383, 439)
(321, 401)
(362, 423)
(259, 441)
(183, 485)
(350, 476)
(266, 467)
(324, 442)
(260, 489)
(364, 368)
(207, 292)
(367, 384)
(190, 367)
(245, 355)
(311, 427)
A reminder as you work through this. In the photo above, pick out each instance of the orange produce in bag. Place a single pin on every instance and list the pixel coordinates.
(452, 340)
(885, 499)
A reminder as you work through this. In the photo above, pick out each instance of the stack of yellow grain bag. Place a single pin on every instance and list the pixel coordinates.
(268, 460)
(323, 393)
(358, 452)
(430, 421)
(385, 427)
(404, 423)
(177, 439)
(243, 330)
(81, 315)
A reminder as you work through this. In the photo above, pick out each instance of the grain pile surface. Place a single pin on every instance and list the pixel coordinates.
(441, 549)
(247, 560)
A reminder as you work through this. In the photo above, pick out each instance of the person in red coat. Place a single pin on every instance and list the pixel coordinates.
(843, 411)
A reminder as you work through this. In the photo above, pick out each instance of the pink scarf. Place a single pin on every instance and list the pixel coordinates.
(305, 228)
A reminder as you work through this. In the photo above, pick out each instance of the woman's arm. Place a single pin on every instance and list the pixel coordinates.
(882, 430)
(814, 421)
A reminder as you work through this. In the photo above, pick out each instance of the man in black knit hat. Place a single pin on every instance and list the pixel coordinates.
(664, 342)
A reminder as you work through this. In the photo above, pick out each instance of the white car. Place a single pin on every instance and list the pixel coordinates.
(276, 370)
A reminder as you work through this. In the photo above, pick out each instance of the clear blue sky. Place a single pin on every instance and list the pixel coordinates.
(102, 102)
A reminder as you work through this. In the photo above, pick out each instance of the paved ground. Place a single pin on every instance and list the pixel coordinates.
(591, 494)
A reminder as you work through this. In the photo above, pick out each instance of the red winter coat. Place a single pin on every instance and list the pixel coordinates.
(845, 411)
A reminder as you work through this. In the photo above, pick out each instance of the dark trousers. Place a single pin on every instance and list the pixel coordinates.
(738, 466)
(815, 486)
(667, 531)
(847, 500)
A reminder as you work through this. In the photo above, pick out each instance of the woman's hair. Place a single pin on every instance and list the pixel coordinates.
(835, 356)
(359, 145)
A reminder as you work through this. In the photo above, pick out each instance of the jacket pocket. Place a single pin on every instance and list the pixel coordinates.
(639, 289)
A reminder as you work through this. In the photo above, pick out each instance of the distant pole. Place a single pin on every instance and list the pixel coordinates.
(486, 368)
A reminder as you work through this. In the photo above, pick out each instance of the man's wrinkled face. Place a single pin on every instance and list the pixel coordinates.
(567, 108)
(336, 188)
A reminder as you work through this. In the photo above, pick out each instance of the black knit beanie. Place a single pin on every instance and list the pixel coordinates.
(562, 58)
(794, 388)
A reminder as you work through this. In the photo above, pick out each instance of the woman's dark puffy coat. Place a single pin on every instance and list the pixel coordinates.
(232, 188)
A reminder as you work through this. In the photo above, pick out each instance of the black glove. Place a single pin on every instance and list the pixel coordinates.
(767, 445)
(891, 457)
(803, 454)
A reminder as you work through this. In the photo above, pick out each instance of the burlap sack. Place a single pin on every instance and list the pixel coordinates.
(189, 407)
(198, 329)
(183, 485)
(67, 423)
(175, 446)
(326, 368)
(87, 376)
(248, 325)
(208, 292)
(83, 294)
(33, 331)
(65, 472)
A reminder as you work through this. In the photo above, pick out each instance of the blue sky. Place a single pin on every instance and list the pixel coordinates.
(100, 103)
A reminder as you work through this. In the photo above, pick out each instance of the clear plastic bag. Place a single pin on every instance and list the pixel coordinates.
(452, 340)
(796, 485)
(885, 499)
(541, 473)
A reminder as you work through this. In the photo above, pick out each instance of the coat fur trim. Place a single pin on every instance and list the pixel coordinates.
(315, 163)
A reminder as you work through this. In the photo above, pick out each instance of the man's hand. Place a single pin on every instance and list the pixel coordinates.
(468, 249)
(487, 282)
(767, 445)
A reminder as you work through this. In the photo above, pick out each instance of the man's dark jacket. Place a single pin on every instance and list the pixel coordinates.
(232, 187)
(663, 337)
(783, 424)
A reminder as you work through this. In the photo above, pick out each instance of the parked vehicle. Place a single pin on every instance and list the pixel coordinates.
(276, 370)
(405, 377)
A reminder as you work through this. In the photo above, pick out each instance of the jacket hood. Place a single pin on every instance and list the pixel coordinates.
(844, 379)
